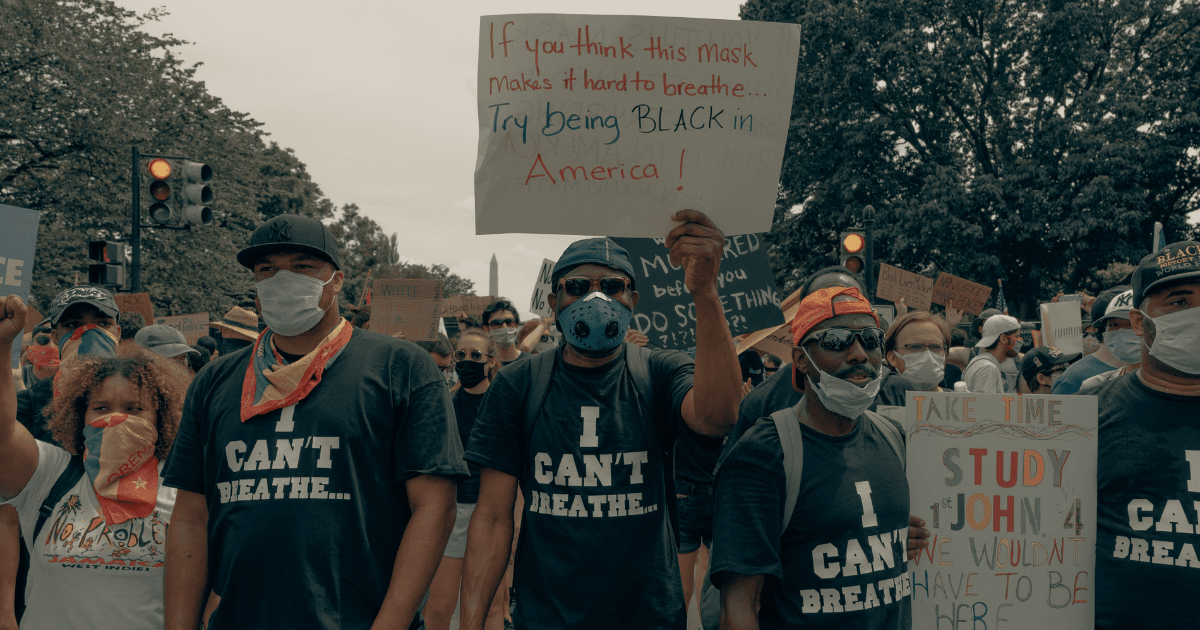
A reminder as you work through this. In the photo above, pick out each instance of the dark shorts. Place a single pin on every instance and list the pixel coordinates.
(695, 516)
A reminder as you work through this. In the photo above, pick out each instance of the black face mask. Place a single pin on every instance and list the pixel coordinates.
(470, 373)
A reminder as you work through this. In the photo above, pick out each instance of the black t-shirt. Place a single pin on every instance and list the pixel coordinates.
(894, 390)
(32, 404)
(306, 509)
(1147, 484)
(466, 409)
(775, 393)
(596, 546)
(841, 561)
(695, 460)
(521, 358)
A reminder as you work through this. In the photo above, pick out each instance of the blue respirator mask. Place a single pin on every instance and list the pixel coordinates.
(595, 322)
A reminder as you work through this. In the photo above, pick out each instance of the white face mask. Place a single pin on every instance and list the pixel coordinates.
(1176, 340)
(925, 369)
(843, 397)
(1124, 344)
(291, 302)
(505, 337)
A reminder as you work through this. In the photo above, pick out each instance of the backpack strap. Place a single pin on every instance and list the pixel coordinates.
(891, 433)
(541, 366)
(67, 480)
(637, 365)
(791, 439)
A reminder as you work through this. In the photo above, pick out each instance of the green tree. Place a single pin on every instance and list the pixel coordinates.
(1031, 142)
(82, 84)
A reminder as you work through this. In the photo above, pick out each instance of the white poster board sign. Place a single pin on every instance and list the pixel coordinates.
(1007, 487)
(1062, 326)
(538, 304)
(593, 124)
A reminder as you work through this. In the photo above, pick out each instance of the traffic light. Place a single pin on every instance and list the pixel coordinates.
(108, 264)
(180, 192)
(852, 247)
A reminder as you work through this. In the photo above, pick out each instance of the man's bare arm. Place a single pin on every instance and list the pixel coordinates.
(489, 541)
(186, 567)
(432, 501)
(741, 601)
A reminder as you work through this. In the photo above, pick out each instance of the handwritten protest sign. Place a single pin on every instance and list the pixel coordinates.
(541, 288)
(471, 304)
(594, 124)
(406, 305)
(193, 326)
(896, 283)
(1007, 487)
(135, 303)
(969, 296)
(665, 312)
(1062, 326)
(18, 240)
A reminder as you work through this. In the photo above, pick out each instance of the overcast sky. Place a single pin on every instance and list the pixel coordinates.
(378, 99)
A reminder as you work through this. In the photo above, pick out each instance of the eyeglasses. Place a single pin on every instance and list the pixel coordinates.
(500, 323)
(838, 339)
(767, 370)
(935, 348)
(446, 368)
(474, 355)
(579, 286)
(1094, 335)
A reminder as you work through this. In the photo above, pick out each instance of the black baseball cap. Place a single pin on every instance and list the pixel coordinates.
(1100, 305)
(96, 296)
(601, 251)
(290, 232)
(1173, 262)
(1041, 359)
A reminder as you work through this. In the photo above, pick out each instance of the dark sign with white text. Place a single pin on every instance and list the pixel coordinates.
(665, 312)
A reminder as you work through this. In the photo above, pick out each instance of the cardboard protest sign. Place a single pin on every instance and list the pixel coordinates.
(593, 124)
(406, 305)
(665, 312)
(193, 326)
(1007, 487)
(896, 283)
(135, 303)
(1062, 326)
(969, 296)
(471, 304)
(538, 303)
(18, 241)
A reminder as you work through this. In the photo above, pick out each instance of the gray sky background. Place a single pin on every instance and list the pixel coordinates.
(378, 100)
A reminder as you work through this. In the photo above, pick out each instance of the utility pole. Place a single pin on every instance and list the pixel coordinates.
(869, 272)
(135, 237)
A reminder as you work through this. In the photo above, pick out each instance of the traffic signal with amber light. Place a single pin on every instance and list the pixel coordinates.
(107, 266)
(180, 192)
(852, 248)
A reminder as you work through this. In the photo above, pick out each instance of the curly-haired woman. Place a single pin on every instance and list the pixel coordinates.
(96, 559)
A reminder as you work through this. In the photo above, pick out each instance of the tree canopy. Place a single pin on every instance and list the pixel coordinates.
(83, 83)
(1031, 142)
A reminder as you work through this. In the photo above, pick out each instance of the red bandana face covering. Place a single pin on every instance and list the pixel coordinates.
(119, 459)
(271, 383)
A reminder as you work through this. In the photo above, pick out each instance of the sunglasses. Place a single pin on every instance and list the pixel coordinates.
(474, 355)
(579, 287)
(838, 339)
(502, 323)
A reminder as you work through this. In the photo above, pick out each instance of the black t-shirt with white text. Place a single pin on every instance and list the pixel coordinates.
(841, 561)
(1148, 491)
(596, 547)
(307, 504)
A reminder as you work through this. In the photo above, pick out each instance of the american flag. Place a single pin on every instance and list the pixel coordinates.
(1001, 303)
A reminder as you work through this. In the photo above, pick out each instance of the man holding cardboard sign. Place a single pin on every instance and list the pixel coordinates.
(318, 437)
(588, 431)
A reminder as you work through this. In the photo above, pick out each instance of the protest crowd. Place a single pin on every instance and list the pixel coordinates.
(669, 442)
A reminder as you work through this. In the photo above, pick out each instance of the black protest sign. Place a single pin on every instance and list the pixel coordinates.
(665, 312)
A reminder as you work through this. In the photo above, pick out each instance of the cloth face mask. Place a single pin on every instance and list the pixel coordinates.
(1176, 340)
(119, 460)
(595, 322)
(291, 302)
(1124, 344)
(470, 373)
(843, 397)
(505, 337)
(925, 369)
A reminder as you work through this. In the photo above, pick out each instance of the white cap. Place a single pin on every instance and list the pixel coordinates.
(995, 326)
(1118, 308)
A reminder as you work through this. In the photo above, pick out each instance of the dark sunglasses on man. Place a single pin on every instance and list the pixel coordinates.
(579, 286)
(838, 339)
